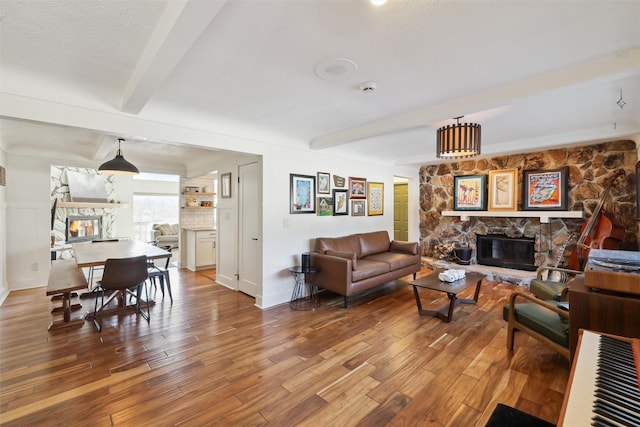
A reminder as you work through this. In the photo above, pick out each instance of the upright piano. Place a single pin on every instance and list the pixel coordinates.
(604, 388)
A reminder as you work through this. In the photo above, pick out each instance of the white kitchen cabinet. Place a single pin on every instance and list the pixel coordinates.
(201, 249)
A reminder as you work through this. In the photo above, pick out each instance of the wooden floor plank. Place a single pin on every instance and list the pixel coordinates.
(212, 358)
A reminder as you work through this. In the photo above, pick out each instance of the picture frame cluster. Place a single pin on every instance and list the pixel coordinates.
(317, 194)
(540, 190)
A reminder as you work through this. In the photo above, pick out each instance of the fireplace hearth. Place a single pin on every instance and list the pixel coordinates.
(500, 250)
(83, 228)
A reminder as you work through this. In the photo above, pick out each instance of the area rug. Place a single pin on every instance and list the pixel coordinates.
(506, 416)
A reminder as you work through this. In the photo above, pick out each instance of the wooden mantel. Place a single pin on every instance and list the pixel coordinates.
(543, 215)
(92, 205)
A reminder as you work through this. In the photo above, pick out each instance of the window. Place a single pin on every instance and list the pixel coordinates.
(153, 209)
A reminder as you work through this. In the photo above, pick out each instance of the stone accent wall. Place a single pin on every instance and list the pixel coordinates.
(60, 190)
(591, 168)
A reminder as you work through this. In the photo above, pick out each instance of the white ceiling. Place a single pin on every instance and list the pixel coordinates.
(534, 74)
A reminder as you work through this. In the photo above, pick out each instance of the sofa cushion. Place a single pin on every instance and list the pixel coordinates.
(367, 268)
(346, 255)
(395, 260)
(405, 247)
(373, 243)
(166, 229)
(340, 244)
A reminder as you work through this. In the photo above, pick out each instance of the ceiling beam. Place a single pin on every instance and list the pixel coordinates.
(178, 29)
(103, 147)
(623, 64)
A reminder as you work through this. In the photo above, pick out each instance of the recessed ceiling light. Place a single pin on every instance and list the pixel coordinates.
(335, 68)
(378, 2)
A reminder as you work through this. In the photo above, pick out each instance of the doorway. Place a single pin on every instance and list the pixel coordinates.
(400, 209)
(249, 232)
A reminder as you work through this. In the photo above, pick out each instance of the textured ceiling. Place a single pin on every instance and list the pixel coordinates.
(533, 74)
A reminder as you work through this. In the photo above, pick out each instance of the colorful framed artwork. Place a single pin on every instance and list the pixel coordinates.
(340, 202)
(302, 194)
(545, 189)
(470, 193)
(357, 188)
(375, 198)
(502, 190)
(357, 208)
(324, 183)
(225, 185)
(325, 206)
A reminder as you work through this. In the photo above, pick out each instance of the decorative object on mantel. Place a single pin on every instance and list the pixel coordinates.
(545, 189)
(502, 190)
(118, 165)
(458, 140)
(470, 193)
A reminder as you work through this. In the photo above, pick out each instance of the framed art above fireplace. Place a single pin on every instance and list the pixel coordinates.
(545, 189)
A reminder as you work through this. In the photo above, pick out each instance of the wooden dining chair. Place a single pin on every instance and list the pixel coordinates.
(122, 277)
(161, 274)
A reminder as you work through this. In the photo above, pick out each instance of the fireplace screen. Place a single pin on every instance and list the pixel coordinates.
(502, 251)
(83, 228)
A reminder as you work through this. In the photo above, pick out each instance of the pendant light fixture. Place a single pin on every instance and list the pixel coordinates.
(118, 165)
(459, 140)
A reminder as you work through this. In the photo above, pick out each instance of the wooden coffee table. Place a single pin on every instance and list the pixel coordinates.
(432, 282)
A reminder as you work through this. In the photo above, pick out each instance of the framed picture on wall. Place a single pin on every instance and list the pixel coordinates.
(357, 188)
(375, 198)
(340, 202)
(503, 195)
(545, 189)
(357, 208)
(325, 206)
(470, 193)
(302, 194)
(225, 185)
(324, 183)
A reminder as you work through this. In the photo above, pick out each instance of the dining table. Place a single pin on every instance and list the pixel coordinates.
(95, 254)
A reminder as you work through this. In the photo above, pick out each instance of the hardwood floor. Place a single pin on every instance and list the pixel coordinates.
(212, 358)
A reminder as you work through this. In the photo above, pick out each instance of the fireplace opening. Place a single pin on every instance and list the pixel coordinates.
(502, 251)
(83, 228)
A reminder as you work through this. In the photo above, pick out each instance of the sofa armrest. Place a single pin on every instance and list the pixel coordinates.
(335, 272)
(405, 247)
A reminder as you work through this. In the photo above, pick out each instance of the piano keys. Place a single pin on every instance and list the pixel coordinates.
(604, 388)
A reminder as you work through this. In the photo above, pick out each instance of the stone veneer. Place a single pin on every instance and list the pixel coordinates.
(590, 170)
(60, 190)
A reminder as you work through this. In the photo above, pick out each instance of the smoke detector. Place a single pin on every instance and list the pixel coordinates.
(368, 86)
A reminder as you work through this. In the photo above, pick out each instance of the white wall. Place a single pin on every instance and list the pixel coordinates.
(29, 208)
(28, 255)
(28, 198)
(4, 286)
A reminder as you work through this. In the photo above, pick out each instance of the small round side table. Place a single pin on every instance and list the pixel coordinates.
(305, 291)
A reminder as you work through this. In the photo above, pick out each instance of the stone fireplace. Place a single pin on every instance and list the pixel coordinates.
(590, 170)
(60, 192)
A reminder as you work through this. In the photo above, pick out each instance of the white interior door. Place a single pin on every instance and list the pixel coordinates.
(249, 236)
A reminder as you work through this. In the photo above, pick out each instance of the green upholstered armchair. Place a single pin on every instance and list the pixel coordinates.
(541, 320)
(550, 281)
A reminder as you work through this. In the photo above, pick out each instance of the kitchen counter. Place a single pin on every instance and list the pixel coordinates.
(199, 229)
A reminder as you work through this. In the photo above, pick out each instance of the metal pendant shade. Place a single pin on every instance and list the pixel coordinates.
(459, 140)
(118, 165)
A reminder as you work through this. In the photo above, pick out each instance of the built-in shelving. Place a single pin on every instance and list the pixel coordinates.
(92, 205)
(198, 194)
(542, 215)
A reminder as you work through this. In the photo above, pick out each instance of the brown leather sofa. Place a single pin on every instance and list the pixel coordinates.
(355, 263)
